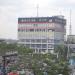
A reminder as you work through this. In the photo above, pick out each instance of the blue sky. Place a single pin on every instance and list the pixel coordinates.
(10, 10)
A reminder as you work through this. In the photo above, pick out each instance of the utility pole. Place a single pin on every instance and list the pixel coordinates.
(70, 31)
(68, 53)
(4, 64)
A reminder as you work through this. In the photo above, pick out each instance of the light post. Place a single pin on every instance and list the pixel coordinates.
(4, 70)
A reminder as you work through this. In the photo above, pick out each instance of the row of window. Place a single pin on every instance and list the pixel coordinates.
(43, 50)
(38, 40)
(35, 30)
(33, 20)
(40, 46)
(29, 25)
(35, 25)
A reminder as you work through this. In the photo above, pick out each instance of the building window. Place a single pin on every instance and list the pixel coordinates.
(22, 20)
(18, 29)
(35, 25)
(43, 30)
(38, 45)
(38, 40)
(44, 46)
(50, 30)
(50, 46)
(21, 30)
(33, 20)
(27, 40)
(33, 45)
(50, 20)
(44, 40)
(23, 40)
(50, 41)
(56, 41)
(27, 30)
(33, 40)
(44, 19)
(31, 30)
(37, 30)
(39, 20)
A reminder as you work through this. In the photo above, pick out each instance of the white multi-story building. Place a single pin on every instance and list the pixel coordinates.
(41, 33)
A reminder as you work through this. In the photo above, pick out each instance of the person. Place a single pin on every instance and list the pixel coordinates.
(1, 72)
(13, 73)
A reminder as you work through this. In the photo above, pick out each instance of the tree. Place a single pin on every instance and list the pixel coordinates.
(39, 63)
(61, 51)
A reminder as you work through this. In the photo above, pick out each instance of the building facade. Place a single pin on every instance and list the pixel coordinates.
(71, 39)
(71, 49)
(41, 33)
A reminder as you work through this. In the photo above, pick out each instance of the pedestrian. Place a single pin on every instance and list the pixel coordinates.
(13, 73)
(1, 72)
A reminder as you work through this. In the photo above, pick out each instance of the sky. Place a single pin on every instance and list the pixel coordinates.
(11, 10)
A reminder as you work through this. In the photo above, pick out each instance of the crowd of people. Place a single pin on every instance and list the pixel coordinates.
(16, 72)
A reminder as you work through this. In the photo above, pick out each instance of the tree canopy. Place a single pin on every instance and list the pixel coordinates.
(39, 63)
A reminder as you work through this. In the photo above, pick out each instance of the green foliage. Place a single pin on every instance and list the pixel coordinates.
(22, 50)
(39, 63)
(61, 51)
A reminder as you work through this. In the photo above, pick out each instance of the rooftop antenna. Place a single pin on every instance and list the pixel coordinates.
(37, 9)
(70, 31)
(60, 13)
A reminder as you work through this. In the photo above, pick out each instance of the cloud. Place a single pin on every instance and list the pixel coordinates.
(10, 2)
(70, 1)
(65, 3)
